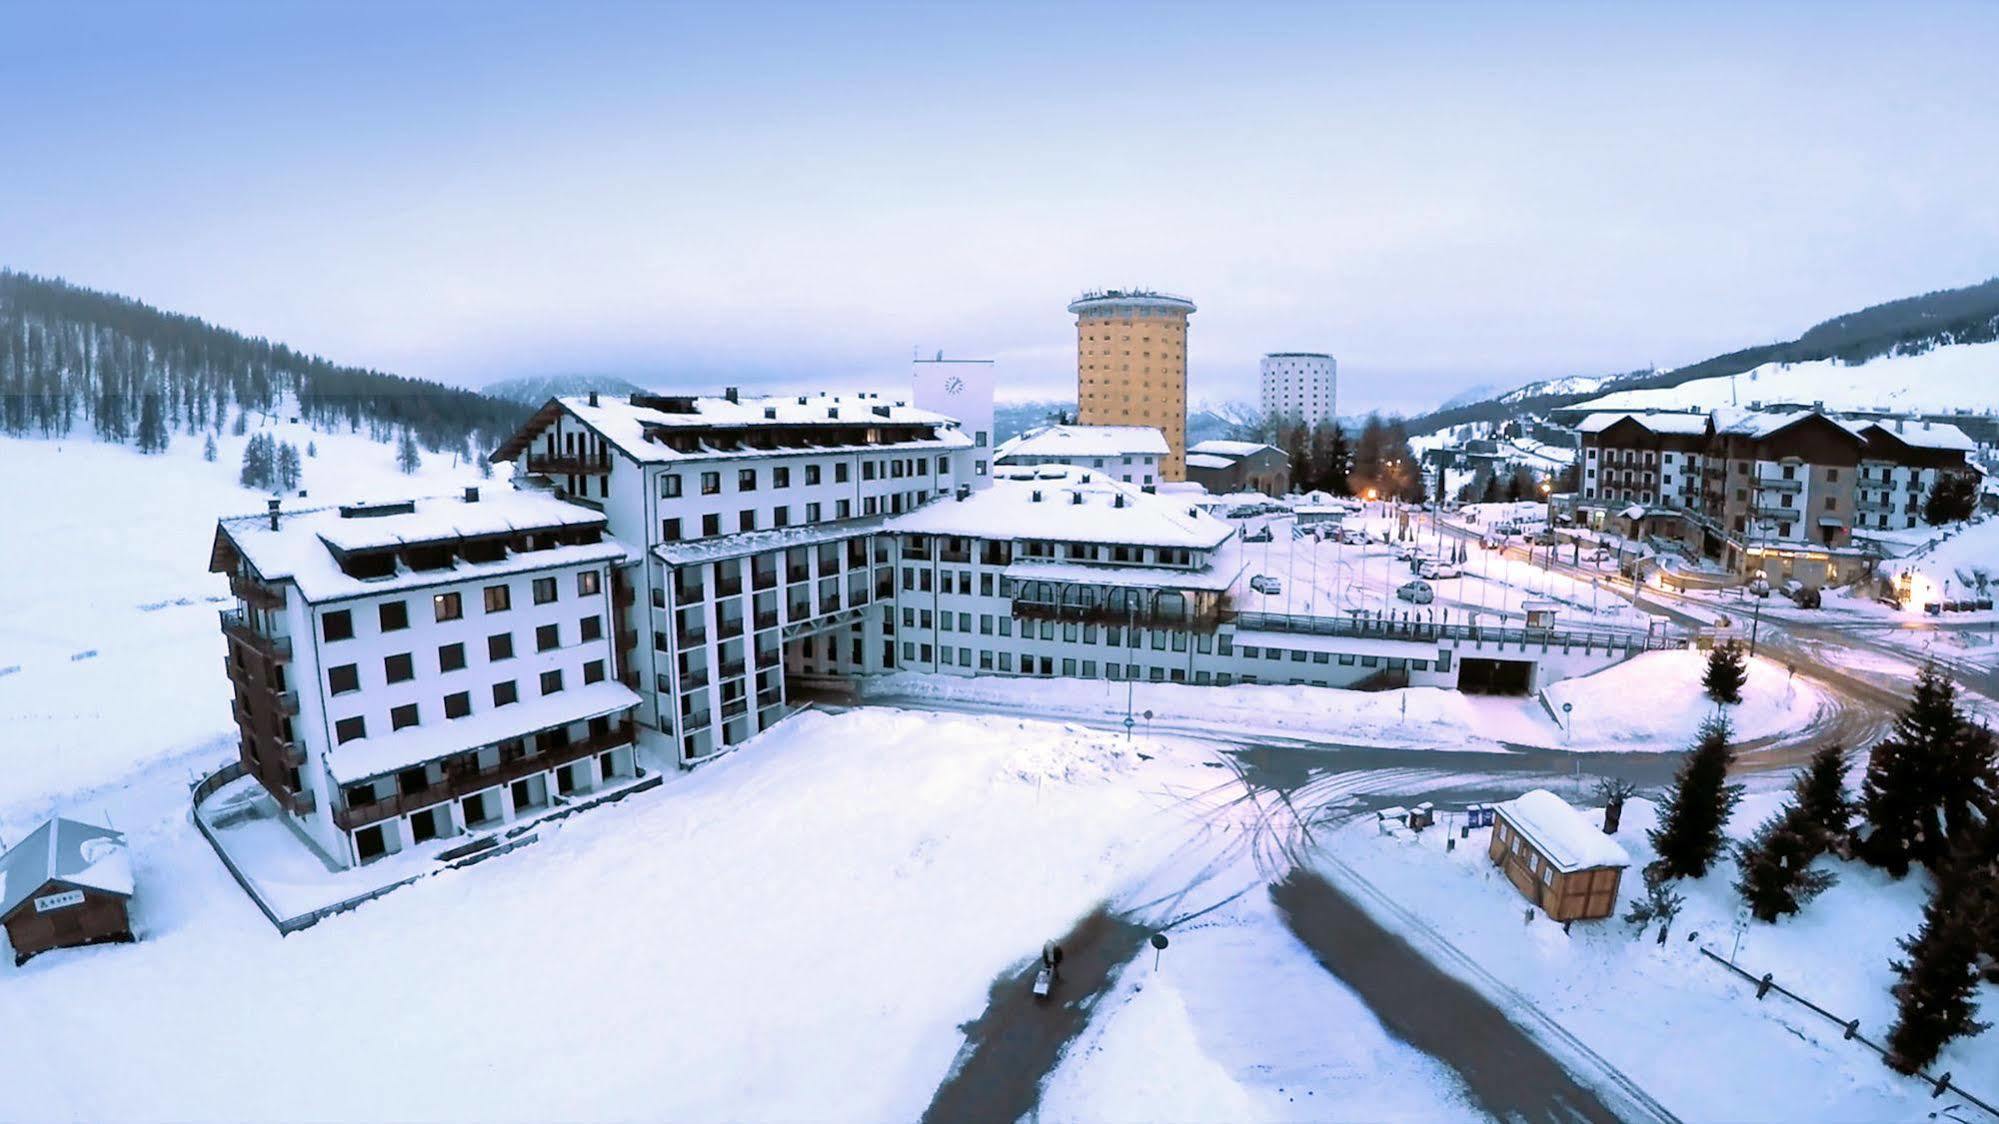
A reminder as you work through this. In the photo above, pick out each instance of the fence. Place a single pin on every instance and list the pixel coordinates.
(1428, 631)
(1850, 1028)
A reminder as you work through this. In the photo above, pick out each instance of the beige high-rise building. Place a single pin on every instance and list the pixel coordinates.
(1131, 365)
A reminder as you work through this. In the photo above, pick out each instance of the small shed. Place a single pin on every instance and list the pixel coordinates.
(1556, 857)
(66, 884)
(1540, 614)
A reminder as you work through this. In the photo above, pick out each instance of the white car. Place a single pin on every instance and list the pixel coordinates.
(1438, 571)
(1266, 585)
(1417, 593)
(1354, 537)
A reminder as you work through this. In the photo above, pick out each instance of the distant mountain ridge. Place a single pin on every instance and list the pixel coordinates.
(533, 390)
(74, 358)
(1909, 326)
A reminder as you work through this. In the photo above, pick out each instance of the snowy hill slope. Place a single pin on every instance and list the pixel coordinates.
(535, 390)
(110, 652)
(1944, 379)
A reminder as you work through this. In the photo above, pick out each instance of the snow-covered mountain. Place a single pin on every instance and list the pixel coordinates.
(1961, 378)
(533, 390)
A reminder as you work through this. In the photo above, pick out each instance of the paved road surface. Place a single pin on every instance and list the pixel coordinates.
(1508, 1074)
(1019, 1039)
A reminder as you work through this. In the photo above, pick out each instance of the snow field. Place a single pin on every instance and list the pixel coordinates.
(1688, 1031)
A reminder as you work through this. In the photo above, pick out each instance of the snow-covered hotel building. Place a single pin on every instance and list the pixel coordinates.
(1786, 493)
(1129, 454)
(415, 670)
(814, 538)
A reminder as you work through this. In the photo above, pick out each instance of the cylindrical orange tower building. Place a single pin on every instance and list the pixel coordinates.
(1131, 365)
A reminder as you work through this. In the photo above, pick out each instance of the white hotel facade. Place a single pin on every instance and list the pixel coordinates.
(671, 569)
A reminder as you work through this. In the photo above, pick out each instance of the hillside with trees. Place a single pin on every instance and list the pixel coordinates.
(76, 362)
(1910, 326)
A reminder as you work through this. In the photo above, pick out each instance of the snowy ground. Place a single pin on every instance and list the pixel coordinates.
(1941, 379)
(1681, 1026)
(794, 932)
(114, 645)
(1651, 703)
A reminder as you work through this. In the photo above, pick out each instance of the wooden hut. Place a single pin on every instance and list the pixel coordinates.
(1556, 857)
(66, 884)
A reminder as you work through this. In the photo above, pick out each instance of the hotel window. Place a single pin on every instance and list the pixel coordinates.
(402, 716)
(840, 472)
(399, 668)
(747, 521)
(544, 590)
(337, 625)
(546, 638)
(711, 525)
(780, 477)
(348, 729)
(588, 582)
(506, 694)
(342, 679)
(669, 485)
(451, 657)
(593, 672)
(551, 681)
(592, 628)
(669, 530)
(500, 646)
(711, 483)
(394, 616)
(746, 480)
(457, 705)
(811, 474)
(499, 598)
(447, 607)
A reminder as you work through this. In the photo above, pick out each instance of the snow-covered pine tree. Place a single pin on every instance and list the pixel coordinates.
(1776, 875)
(408, 458)
(152, 435)
(1933, 992)
(242, 423)
(1659, 904)
(1822, 798)
(1727, 671)
(485, 469)
(1689, 836)
(208, 449)
(257, 464)
(1927, 781)
(311, 448)
(288, 467)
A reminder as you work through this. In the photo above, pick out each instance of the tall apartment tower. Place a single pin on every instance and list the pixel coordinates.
(1131, 365)
(1300, 386)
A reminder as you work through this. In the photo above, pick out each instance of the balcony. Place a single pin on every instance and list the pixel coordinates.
(292, 754)
(694, 680)
(724, 629)
(731, 669)
(256, 593)
(236, 626)
(728, 587)
(765, 579)
(735, 708)
(690, 637)
(302, 802)
(567, 464)
(627, 639)
(1884, 504)
(287, 703)
(767, 619)
(623, 596)
(1106, 615)
(1777, 484)
(461, 780)
(798, 574)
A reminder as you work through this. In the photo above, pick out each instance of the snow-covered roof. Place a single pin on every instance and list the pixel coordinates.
(1085, 441)
(1207, 460)
(79, 855)
(1562, 835)
(390, 752)
(1678, 423)
(302, 547)
(1218, 575)
(1927, 435)
(624, 424)
(1234, 450)
(690, 551)
(1063, 503)
(1763, 423)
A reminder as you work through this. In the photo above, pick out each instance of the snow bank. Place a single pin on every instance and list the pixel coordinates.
(1656, 702)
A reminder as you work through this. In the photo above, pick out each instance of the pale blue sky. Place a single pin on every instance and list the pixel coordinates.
(1439, 194)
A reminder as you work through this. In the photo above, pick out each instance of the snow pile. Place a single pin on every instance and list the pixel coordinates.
(1078, 756)
(1656, 702)
(1147, 1064)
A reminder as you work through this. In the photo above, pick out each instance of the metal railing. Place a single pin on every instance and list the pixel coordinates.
(464, 782)
(1430, 632)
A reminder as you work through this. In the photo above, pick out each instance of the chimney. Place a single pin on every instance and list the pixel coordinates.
(471, 494)
(274, 513)
(1899, 422)
(1034, 497)
(770, 412)
(731, 395)
(593, 398)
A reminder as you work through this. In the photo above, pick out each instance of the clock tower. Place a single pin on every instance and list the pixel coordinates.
(962, 389)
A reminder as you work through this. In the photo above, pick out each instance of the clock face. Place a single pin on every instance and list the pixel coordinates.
(954, 385)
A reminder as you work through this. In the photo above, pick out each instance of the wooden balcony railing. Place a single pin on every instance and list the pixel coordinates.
(567, 464)
(237, 626)
(256, 593)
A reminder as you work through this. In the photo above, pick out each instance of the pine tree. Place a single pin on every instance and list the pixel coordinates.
(311, 449)
(1339, 461)
(152, 435)
(241, 424)
(1776, 875)
(1727, 671)
(257, 462)
(208, 449)
(485, 469)
(408, 459)
(1659, 904)
(1933, 994)
(1822, 798)
(1927, 781)
(1689, 836)
(287, 467)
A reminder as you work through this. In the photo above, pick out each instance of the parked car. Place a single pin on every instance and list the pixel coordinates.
(1804, 596)
(1417, 593)
(1265, 584)
(1409, 552)
(1542, 538)
(1439, 571)
(1759, 586)
(1600, 554)
(1354, 537)
(1261, 534)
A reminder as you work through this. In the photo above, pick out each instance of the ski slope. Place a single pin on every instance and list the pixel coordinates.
(1944, 379)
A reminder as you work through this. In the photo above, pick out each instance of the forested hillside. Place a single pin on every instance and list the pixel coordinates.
(77, 362)
(533, 390)
(1909, 326)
